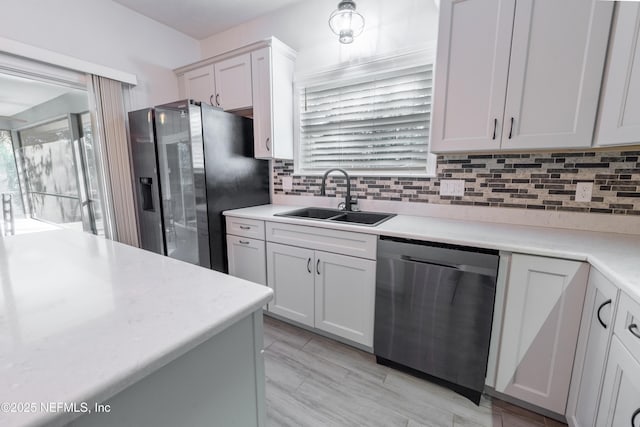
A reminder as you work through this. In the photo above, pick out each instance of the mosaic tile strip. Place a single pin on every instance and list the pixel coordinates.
(545, 181)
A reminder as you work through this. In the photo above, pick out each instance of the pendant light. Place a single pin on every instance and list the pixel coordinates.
(345, 22)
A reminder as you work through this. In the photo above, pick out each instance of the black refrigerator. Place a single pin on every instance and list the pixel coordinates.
(190, 163)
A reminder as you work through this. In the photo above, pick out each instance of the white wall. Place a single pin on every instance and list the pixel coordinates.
(389, 26)
(105, 33)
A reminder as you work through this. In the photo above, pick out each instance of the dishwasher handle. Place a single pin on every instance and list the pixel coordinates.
(464, 268)
(430, 262)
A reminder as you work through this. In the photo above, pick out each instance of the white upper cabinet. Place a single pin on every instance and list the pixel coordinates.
(255, 80)
(233, 83)
(471, 74)
(519, 74)
(272, 69)
(199, 84)
(619, 120)
(225, 84)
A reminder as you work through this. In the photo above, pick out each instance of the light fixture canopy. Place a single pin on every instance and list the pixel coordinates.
(345, 22)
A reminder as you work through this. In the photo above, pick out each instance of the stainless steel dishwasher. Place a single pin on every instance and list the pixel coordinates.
(434, 310)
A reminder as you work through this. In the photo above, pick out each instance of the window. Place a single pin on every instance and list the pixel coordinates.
(369, 119)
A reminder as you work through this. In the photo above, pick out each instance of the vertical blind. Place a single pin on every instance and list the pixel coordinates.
(111, 135)
(377, 122)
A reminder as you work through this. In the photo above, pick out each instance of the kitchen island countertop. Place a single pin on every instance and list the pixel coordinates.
(83, 318)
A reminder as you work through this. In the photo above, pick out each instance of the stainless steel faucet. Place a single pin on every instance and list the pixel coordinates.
(347, 200)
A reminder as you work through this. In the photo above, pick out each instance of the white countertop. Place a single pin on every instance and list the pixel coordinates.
(617, 256)
(82, 318)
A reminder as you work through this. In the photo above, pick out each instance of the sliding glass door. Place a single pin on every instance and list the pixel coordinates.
(59, 173)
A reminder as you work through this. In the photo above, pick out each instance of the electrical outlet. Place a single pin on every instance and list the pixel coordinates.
(452, 187)
(584, 191)
(287, 183)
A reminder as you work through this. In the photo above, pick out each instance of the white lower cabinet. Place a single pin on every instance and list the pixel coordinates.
(543, 307)
(596, 331)
(316, 283)
(247, 259)
(290, 273)
(620, 403)
(246, 253)
(344, 296)
(334, 293)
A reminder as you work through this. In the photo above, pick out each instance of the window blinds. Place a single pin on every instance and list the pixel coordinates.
(377, 122)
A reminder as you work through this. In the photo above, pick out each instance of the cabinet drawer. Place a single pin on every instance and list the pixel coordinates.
(324, 239)
(627, 327)
(245, 227)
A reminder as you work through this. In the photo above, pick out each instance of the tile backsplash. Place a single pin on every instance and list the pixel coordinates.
(530, 181)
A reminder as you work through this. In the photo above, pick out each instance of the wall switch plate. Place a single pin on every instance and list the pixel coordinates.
(452, 187)
(287, 183)
(584, 191)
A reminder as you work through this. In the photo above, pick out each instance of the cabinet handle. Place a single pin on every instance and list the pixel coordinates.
(244, 227)
(266, 143)
(218, 99)
(211, 100)
(318, 267)
(243, 242)
(633, 417)
(603, 305)
(511, 128)
(633, 328)
(309, 265)
(495, 126)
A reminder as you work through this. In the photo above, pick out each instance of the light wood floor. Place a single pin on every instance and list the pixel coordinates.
(316, 381)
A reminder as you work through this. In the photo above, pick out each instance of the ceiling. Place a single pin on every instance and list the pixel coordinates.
(18, 94)
(203, 18)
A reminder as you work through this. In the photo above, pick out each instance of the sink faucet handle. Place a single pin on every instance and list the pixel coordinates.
(353, 202)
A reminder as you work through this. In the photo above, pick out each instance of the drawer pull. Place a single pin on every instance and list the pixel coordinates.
(309, 265)
(245, 227)
(633, 417)
(243, 242)
(603, 305)
(633, 328)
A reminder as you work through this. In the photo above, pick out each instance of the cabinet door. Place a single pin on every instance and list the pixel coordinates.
(290, 273)
(262, 106)
(233, 83)
(541, 322)
(344, 296)
(199, 84)
(620, 103)
(596, 330)
(247, 259)
(620, 402)
(557, 58)
(474, 37)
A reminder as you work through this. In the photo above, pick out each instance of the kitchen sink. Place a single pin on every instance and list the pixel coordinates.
(363, 218)
(312, 213)
(370, 219)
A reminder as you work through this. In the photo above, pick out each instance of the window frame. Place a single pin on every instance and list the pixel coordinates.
(356, 70)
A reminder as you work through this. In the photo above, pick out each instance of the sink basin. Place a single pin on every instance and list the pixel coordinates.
(312, 213)
(370, 219)
(363, 218)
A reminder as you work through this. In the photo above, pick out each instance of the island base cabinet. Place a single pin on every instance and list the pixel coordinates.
(596, 330)
(344, 296)
(290, 273)
(218, 383)
(542, 315)
(620, 403)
